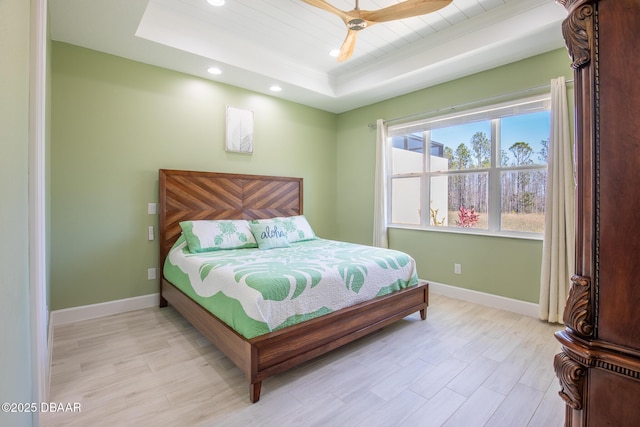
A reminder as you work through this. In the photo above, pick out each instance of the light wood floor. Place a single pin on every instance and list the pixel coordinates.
(466, 365)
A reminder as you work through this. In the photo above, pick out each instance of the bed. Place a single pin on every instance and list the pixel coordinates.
(187, 196)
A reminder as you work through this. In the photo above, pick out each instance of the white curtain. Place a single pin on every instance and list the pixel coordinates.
(380, 237)
(558, 252)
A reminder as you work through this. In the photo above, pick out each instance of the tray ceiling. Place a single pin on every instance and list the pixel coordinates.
(257, 44)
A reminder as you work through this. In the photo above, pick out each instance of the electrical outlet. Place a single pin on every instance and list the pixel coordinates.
(151, 273)
(457, 268)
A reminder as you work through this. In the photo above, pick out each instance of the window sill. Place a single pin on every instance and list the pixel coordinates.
(472, 232)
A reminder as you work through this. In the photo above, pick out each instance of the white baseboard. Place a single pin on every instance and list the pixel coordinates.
(495, 301)
(75, 314)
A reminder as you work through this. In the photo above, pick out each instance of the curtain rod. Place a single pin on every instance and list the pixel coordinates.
(373, 126)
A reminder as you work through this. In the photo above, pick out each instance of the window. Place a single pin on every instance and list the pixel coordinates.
(483, 170)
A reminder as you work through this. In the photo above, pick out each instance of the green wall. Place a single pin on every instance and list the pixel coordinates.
(502, 266)
(115, 122)
(15, 359)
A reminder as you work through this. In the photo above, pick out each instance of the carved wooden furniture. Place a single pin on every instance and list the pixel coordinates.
(599, 366)
(187, 195)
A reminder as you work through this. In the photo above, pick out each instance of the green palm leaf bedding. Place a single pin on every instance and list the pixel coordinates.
(258, 291)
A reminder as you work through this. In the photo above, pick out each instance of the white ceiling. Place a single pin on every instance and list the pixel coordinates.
(258, 43)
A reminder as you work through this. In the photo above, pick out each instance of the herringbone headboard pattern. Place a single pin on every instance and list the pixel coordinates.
(189, 195)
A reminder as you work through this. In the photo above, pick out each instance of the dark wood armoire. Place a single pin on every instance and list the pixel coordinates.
(599, 366)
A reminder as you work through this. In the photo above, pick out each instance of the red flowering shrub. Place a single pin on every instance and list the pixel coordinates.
(467, 218)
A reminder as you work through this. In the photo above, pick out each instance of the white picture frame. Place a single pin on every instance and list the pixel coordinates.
(239, 130)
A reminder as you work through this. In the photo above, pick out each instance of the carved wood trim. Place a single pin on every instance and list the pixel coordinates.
(621, 370)
(577, 31)
(600, 354)
(578, 313)
(571, 375)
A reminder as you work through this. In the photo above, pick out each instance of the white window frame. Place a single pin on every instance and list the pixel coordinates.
(492, 113)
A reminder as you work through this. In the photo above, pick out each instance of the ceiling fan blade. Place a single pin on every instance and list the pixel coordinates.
(329, 8)
(348, 46)
(405, 9)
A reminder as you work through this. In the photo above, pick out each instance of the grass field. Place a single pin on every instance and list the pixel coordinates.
(531, 223)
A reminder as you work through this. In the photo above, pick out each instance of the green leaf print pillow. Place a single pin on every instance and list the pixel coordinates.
(216, 235)
(297, 227)
(269, 236)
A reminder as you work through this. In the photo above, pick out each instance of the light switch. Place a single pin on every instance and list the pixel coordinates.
(152, 208)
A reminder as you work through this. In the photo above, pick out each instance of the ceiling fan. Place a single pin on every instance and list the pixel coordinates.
(357, 20)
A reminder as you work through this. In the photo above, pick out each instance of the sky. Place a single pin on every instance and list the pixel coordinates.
(530, 128)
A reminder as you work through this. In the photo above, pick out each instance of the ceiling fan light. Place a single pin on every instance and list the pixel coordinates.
(334, 53)
(216, 2)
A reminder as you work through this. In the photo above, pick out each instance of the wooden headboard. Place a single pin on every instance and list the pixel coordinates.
(189, 195)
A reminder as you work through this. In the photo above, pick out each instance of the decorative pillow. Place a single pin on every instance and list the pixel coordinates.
(215, 235)
(297, 227)
(269, 235)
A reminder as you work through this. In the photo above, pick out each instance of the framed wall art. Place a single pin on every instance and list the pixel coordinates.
(239, 130)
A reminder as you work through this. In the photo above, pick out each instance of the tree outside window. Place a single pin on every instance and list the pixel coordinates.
(478, 174)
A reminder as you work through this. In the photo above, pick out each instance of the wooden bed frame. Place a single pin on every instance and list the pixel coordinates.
(189, 195)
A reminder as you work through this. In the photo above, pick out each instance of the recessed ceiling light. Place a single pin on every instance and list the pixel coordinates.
(214, 70)
(275, 88)
(334, 52)
(216, 2)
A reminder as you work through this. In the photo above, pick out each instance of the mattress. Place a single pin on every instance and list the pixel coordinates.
(258, 291)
